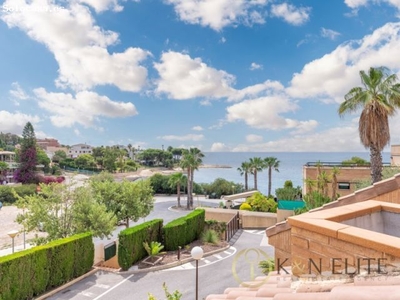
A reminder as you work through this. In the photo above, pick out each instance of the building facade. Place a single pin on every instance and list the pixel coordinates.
(45, 143)
(9, 158)
(79, 149)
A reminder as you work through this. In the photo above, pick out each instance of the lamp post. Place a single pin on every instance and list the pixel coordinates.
(197, 254)
(12, 234)
(233, 189)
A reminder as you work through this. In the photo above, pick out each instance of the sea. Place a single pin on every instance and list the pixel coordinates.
(290, 166)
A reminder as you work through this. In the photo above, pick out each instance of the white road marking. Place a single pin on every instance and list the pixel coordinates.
(115, 286)
(87, 294)
(103, 286)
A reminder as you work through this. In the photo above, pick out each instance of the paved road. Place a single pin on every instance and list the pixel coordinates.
(238, 263)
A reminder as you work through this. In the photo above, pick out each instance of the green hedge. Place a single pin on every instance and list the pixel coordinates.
(130, 246)
(29, 273)
(184, 230)
(7, 196)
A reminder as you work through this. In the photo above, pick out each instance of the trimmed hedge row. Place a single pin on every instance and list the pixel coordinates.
(184, 230)
(29, 273)
(130, 246)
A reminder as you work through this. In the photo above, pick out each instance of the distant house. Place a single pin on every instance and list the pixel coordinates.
(45, 143)
(9, 158)
(395, 155)
(79, 149)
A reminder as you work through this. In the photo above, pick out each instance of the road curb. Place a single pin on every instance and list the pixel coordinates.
(171, 265)
(68, 284)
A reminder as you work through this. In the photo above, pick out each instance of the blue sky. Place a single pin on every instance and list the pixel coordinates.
(220, 75)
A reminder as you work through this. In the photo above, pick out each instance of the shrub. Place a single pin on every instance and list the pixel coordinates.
(130, 247)
(218, 227)
(6, 194)
(259, 202)
(210, 236)
(267, 266)
(154, 248)
(245, 206)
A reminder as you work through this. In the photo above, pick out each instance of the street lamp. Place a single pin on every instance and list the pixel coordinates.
(197, 254)
(12, 234)
(233, 189)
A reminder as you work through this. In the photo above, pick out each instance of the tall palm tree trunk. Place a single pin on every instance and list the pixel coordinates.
(269, 180)
(189, 189)
(178, 191)
(246, 180)
(376, 164)
(255, 179)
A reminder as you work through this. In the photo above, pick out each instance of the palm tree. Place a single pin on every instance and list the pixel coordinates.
(177, 180)
(256, 165)
(334, 173)
(379, 99)
(245, 169)
(271, 163)
(191, 160)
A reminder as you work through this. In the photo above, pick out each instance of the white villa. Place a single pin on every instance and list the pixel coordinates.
(79, 149)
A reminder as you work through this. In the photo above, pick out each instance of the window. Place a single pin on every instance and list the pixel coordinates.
(344, 185)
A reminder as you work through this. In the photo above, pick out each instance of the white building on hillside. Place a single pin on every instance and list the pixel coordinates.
(79, 149)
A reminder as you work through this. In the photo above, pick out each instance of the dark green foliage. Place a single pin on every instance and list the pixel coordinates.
(221, 187)
(27, 156)
(29, 273)
(7, 195)
(288, 193)
(355, 160)
(313, 200)
(184, 230)
(130, 247)
(160, 184)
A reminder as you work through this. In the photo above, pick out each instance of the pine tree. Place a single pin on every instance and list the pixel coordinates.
(27, 157)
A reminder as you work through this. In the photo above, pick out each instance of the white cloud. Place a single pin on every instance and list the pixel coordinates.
(290, 13)
(188, 137)
(266, 88)
(102, 5)
(219, 147)
(77, 132)
(334, 74)
(255, 66)
(222, 40)
(329, 33)
(333, 140)
(182, 77)
(197, 128)
(355, 3)
(221, 13)
(17, 92)
(253, 138)
(15, 122)
(79, 46)
(84, 108)
(266, 113)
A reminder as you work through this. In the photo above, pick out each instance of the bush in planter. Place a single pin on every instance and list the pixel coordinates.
(245, 206)
(210, 236)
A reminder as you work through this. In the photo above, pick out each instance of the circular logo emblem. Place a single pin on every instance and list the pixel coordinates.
(252, 258)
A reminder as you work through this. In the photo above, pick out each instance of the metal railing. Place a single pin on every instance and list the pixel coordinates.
(232, 227)
(339, 164)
